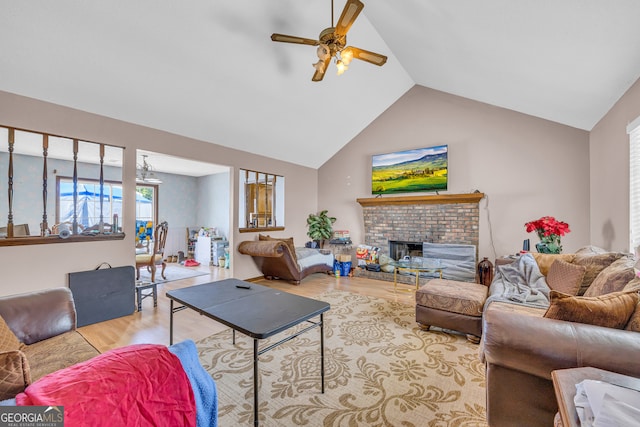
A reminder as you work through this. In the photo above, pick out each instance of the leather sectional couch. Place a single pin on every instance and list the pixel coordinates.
(41, 348)
(521, 347)
(38, 336)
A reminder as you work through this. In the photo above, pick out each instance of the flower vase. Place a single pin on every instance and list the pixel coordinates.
(549, 246)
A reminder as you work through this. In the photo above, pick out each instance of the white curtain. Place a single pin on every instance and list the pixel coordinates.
(634, 176)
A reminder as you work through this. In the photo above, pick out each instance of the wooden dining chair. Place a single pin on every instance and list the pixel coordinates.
(156, 257)
(19, 230)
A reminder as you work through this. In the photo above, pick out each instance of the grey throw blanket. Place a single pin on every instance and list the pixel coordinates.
(520, 282)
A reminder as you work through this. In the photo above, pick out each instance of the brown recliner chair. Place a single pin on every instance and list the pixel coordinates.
(276, 261)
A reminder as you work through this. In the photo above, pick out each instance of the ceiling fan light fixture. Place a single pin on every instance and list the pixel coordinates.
(341, 67)
(145, 173)
(323, 52)
(346, 56)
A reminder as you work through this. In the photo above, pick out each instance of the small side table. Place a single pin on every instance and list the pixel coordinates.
(564, 384)
(141, 286)
(415, 268)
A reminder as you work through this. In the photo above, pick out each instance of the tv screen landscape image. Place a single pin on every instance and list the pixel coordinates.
(422, 169)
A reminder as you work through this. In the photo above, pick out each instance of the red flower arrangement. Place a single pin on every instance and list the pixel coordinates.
(549, 230)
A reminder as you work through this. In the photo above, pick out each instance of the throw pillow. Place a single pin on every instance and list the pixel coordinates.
(15, 374)
(8, 340)
(287, 241)
(613, 278)
(594, 264)
(590, 249)
(633, 285)
(545, 261)
(611, 310)
(634, 321)
(565, 277)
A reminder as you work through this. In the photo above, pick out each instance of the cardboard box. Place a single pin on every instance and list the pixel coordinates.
(343, 258)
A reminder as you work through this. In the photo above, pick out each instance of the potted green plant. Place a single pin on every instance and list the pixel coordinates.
(320, 227)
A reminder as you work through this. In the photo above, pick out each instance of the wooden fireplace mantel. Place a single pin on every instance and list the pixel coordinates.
(438, 199)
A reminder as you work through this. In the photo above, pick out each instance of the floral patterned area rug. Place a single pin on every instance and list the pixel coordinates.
(172, 272)
(380, 370)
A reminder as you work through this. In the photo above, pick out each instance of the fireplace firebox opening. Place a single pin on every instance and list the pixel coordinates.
(399, 249)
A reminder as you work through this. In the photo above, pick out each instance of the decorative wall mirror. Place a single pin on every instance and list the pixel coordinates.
(55, 188)
(262, 201)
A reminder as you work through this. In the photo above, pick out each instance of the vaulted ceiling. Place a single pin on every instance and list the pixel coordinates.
(208, 69)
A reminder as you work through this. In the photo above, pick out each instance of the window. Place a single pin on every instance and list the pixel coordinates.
(146, 202)
(262, 201)
(146, 213)
(88, 211)
(634, 185)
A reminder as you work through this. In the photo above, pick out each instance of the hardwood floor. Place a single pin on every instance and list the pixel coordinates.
(151, 325)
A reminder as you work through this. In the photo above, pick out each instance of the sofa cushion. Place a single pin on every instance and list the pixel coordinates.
(14, 372)
(287, 240)
(612, 310)
(594, 264)
(565, 277)
(634, 321)
(545, 261)
(309, 257)
(8, 340)
(58, 352)
(613, 278)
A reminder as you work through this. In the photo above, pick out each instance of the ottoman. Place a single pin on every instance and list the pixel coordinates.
(452, 305)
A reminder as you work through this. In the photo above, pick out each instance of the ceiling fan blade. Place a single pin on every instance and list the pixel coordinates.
(293, 39)
(349, 14)
(365, 55)
(319, 75)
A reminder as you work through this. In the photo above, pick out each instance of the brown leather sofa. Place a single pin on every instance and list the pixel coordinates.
(521, 348)
(277, 261)
(41, 337)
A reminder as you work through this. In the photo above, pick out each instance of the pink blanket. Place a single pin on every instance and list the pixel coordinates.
(137, 385)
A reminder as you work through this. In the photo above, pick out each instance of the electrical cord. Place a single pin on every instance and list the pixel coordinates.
(486, 207)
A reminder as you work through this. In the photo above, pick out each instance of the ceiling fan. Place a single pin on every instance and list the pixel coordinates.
(332, 43)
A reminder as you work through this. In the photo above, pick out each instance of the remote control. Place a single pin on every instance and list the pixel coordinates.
(243, 286)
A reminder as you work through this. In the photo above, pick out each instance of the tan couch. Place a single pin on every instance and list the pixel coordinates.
(38, 336)
(521, 347)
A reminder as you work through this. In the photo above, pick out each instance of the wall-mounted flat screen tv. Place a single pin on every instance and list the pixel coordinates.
(422, 169)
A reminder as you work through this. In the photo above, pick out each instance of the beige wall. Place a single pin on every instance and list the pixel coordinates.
(609, 145)
(26, 268)
(528, 167)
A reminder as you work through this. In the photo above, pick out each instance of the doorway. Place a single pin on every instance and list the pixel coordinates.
(187, 194)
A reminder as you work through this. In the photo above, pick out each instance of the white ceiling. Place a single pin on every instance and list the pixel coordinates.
(208, 69)
(159, 162)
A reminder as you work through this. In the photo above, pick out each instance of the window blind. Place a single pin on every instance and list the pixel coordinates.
(634, 185)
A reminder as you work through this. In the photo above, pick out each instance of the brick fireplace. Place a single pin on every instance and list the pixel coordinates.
(448, 218)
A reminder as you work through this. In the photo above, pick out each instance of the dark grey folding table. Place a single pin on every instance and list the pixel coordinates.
(259, 312)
